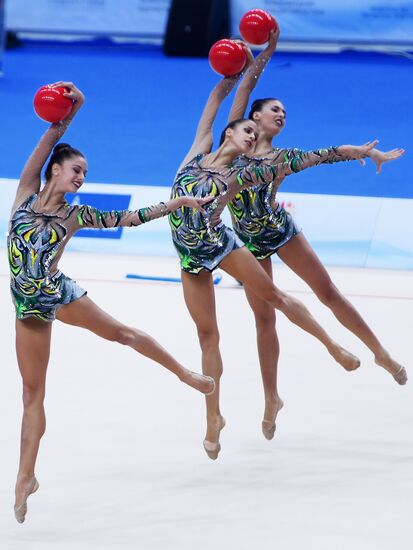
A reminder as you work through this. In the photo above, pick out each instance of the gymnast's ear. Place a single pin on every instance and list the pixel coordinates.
(229, 132)
(56, 169)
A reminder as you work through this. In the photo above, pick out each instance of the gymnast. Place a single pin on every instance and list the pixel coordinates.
(203, 242)
(265, 228)
(41, 224)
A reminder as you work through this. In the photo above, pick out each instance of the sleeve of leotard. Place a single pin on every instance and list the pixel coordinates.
(291, 162)
(296, 160)
(90, 217)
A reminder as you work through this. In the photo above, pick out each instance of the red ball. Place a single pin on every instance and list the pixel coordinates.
(256, 25)
(227, 57)
(51, 105)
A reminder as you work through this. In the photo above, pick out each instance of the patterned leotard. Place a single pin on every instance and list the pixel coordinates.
(35, 243)
(202, 240)
(259, 221)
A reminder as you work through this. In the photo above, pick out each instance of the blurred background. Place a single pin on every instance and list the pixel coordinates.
(122, 464)
(343, 70)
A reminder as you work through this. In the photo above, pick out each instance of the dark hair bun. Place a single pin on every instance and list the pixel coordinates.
(61, 146)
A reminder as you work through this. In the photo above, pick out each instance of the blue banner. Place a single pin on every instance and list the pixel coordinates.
(146, 18)
(355, 21)
(384, 22)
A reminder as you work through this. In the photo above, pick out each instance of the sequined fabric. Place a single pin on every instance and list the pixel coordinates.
(35, 243)
(202, 240)
(265, 233)
(259, 221)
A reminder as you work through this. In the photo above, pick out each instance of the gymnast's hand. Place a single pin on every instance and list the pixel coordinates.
(379, 157)
(355, 152)
(272, 42)
(72, 93)
(247, 49)
(190, 202)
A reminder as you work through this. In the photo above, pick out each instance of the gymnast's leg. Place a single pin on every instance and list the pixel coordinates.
(301, 258)
(33, 350)
(268, 352)
(242, 265)
(86, 314)
(200, 299)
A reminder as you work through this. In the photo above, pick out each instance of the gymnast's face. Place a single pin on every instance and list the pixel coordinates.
(243, 136)
(271, 118)
(70, 175)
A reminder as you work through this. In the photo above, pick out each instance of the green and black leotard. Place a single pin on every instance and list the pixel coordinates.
(36, 241)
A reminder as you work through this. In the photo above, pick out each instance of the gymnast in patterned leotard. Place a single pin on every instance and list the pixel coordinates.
(203, 241)
(41, 224)
(36, 241)
(258, 219)
(265, 227)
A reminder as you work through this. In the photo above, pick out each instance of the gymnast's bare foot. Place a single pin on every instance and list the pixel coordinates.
(346, 359)
(270, 416)
(393, 367)
(212, 445)
(204, 384)
(24, 488)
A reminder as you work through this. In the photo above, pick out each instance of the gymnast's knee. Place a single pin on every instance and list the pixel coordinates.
(274, 297)
(264, 317)
(330, 296)
(124, 335)
(33, 394)
(208, 338)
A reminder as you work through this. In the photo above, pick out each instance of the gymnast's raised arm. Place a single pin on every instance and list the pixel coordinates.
(30, 179)
(251, 77)
(203, 138)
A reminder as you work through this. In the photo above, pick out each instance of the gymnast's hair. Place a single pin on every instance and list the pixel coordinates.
(231, 125)
(259, 104)
(61, 152)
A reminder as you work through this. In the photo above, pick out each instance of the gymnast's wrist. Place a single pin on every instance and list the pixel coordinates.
(165, 208)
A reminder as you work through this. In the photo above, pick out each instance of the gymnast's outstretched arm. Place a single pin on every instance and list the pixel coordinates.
(88, 217)
(266, 172)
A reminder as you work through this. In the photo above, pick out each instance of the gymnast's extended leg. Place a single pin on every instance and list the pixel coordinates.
(86, 314)
(242, 265)
(302, 259)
